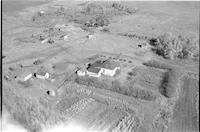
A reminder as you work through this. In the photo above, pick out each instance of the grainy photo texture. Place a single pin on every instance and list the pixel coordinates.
(100, 66)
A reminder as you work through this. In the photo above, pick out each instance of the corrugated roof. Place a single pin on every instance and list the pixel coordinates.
(94, 69)
(107, 65)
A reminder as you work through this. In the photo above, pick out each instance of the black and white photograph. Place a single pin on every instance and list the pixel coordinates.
(99, 66)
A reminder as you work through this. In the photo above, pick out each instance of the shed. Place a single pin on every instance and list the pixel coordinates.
(25, 76)
(89, 36)
(42, 12)
(81, 73)
(65, 37)
(45, 41)
(51, 92)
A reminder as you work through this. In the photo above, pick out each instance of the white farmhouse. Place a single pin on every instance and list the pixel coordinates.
(45, 76)
(108, 68)
(94, 72)
(42, 74)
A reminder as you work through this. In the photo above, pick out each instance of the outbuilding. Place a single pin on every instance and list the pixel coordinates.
(45, 76)
(45, 41)
(41, 12)
(25, 76)
(81, 73)
(89, 36)
(51, 92)
(65, 37)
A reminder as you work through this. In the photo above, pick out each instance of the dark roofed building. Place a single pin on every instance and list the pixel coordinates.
(106, 65)
(94, 71)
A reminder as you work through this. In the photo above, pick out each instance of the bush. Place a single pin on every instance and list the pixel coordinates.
(97, 15)
(91, 81)
(143, 94)
(123, 9)
(157, 64)
(98, 21)
(93, 9)
(101, 21)
(175, 47)
(169, 84)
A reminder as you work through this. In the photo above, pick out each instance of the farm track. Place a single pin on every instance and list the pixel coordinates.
(185, 114)
(193, 68)
(46, 55)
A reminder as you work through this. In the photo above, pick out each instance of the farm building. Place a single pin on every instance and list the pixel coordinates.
(25, 76)
(94, 71)
(109, 68)
(64, 37)
(89, 36)
(51, 92)
(98, 68)
(82, 72)
(42, 12)
(45, 76)
(44, 41)
(42, 74)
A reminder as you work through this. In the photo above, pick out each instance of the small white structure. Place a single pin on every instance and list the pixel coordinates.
(65, 37)
(42, 12)
(44, 41)
(81, 73)
(29, 76)
(89, 36)
(94, 72)
(46, 76)
(25, 76)
(40, 77)
(51, 92)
